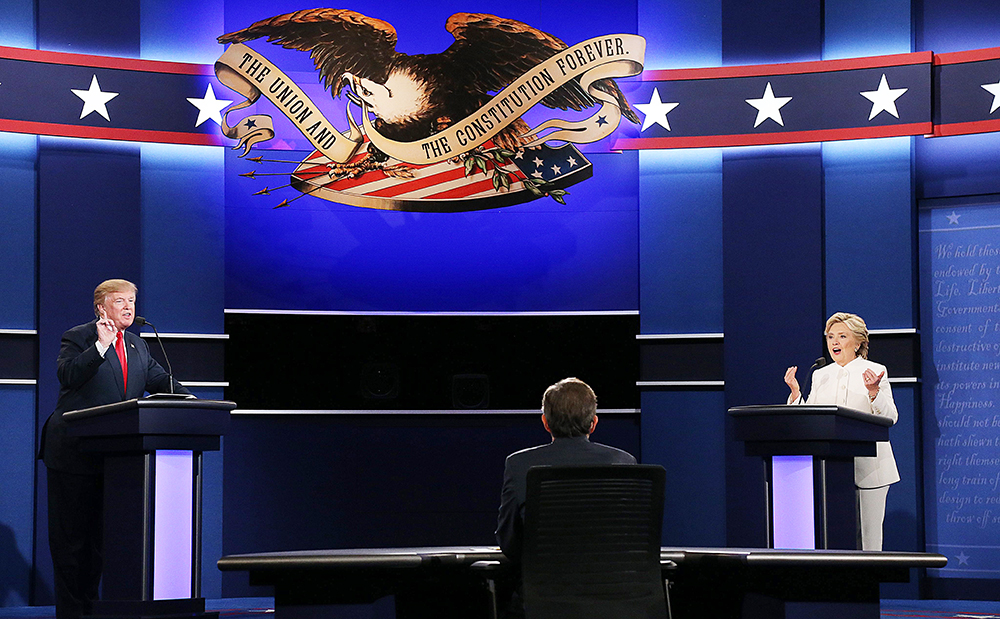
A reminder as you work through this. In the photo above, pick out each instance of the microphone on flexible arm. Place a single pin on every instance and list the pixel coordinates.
(815, 366)
(142, 322)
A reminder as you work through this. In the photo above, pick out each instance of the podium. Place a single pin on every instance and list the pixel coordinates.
(808, 454)
(152, 450)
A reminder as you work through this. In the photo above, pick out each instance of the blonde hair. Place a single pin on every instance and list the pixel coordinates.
(856, 325)
(107, 287)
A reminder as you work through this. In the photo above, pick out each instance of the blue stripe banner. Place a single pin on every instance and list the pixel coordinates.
(882, 96)
(967, 92)
(75, 95)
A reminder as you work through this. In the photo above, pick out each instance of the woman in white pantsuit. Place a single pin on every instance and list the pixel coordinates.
(855, 382)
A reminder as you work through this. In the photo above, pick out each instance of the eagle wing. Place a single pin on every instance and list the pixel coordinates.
(338, 41)
(493, 51)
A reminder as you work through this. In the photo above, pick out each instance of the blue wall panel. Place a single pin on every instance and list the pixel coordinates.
(772, 31)
(181, 30)
(211, 508)
(684, 432)
(962, 165)
(680, 283)
(681, 33)
(89, 218)
(17, 28)
(869, 208)
(680, 241)
(17, 230)
(773, 287)
(956, 25)
(183, 193)
(88, 27)
(903, 528)
(17, 471)
(853, 29)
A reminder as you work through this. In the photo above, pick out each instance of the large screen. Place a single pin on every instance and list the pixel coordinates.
(539, 256)
(430, 211)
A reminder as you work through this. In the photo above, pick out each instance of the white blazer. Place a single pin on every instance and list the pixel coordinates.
(845, 386)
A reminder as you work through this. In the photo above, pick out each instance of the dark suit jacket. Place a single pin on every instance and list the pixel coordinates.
(560, 452)
(88, 379)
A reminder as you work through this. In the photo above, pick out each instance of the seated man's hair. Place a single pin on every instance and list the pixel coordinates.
(569, 407)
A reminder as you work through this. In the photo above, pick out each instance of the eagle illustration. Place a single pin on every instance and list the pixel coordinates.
(413, 97)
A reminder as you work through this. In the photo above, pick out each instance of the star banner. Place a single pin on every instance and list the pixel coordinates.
(967, 92)
(76, 95)
(881, 96)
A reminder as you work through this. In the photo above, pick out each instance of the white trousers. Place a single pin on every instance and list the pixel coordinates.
(871, 503)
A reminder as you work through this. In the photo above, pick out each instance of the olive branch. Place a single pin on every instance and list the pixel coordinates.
(498, 159)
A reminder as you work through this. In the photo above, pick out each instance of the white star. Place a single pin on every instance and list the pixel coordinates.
(953, 218)
(994, 89)
(883, 99)
(963, 559)
(538, 162)
(555, 169)
(768, 106)
(94, 99)
(571, 161)
(655, 112)
(209, 107)
(536, 174)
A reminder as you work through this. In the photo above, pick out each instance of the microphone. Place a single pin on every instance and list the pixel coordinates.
(815, 366)
(142, 322)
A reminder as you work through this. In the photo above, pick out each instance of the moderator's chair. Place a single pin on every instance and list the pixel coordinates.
(592, 543)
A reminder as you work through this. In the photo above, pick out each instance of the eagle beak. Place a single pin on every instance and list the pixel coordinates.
(355, 98)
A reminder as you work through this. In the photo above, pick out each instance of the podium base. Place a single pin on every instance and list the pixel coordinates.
(151, 609)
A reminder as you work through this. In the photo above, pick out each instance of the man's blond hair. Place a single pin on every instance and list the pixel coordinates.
(107, 287)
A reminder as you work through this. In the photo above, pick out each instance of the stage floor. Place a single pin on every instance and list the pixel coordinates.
(260, 608)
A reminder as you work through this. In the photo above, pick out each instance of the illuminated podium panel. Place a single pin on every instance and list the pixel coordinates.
(152, 450)
(808, 454)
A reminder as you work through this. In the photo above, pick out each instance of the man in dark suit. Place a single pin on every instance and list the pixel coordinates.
(99, 363)
(569, 414)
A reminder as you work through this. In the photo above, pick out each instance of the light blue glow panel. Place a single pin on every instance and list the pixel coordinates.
(183, 205)
(173, 535)
(792, 510)
(868, 219)
(853, 29)
(954, 26)
(18, 183)
(681, 34)
(181, 30)
(680, 241)
(17, 28)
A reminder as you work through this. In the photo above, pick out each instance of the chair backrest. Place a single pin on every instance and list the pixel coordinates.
(592, 542)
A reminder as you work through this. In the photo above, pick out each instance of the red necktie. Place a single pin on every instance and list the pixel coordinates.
(120, 349)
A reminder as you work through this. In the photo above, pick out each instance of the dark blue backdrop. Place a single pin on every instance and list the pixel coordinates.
(758, 244)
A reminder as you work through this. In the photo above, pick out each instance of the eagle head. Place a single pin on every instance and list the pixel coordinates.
(403, 98)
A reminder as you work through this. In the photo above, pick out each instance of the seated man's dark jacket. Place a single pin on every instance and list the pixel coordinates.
(560, 452)
(88, 379)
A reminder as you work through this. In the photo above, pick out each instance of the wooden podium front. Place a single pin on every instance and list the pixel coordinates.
(152, 450)
(824, 438)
